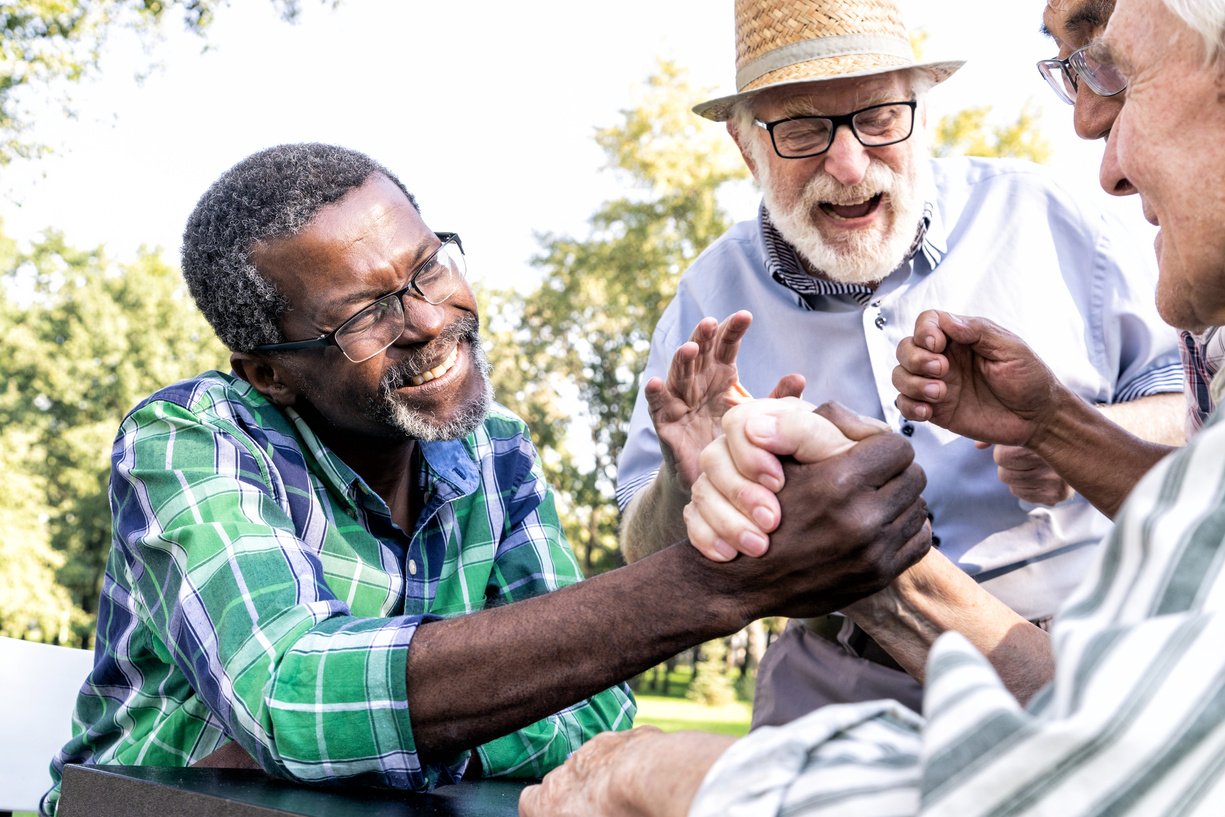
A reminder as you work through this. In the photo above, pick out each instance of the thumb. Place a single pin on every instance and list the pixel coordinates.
(789, 385)
(854, 426)
(807, 436)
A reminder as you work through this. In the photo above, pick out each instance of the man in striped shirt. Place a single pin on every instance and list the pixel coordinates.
(338, 562)
(1132, 721)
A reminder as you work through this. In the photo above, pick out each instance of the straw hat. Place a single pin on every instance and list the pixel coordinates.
(780, 42)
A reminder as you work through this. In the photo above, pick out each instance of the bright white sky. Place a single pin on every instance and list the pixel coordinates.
(486, 109)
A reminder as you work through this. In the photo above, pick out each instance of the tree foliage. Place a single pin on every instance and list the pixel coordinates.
(569, 353)
(970, 133)
(90, 341)
(48, 45)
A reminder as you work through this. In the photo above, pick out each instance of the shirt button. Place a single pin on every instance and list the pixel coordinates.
(907, 429)
(412, 567)
(880, 321)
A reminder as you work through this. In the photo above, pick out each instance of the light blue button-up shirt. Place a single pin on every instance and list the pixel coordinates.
(1004, 241)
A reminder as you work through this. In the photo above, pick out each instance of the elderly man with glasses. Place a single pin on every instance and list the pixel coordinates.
(859, 231)
(337, 561)
(1077, 26)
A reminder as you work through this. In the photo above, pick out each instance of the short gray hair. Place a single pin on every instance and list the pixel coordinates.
(1207, 19)
(271, 194)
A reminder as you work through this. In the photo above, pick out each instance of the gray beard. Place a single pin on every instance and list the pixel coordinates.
(418, 425)
(864, 258)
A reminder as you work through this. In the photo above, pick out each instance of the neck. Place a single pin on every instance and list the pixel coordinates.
(383, 461)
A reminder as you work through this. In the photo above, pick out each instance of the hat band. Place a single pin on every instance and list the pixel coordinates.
(823, 48)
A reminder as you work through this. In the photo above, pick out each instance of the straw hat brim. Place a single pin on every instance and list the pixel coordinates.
(720, 109)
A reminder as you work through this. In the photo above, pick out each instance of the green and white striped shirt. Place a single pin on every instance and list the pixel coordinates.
(258, 590)
(1133, 723)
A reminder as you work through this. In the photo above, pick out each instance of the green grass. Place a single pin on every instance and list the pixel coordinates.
(677, 714)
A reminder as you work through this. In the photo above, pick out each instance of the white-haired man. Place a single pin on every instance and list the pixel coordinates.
(1132, 723)
(858, 233)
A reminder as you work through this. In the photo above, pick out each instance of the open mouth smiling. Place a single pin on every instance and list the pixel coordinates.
(438, 371)
(848, 212)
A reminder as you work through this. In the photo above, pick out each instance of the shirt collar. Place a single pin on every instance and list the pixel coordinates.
(784, 265)
(449, 468)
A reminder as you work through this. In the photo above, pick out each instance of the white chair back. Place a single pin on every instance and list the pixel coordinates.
(38, 688)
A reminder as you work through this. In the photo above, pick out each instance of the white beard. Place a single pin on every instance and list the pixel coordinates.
(862, 256)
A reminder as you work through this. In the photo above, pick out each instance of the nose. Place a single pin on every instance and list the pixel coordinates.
(1111, 176)
(423, 321)
(1094, 116)
(846, 160)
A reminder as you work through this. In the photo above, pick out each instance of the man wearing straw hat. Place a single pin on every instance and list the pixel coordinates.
(858, 233)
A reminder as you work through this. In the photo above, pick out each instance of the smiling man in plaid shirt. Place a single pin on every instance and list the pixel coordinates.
(305, 550)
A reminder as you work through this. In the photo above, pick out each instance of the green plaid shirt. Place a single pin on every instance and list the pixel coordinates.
(258, 590)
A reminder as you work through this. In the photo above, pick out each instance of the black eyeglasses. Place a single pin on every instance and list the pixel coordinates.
(1064, 75)
(377, 326)
(875, 127)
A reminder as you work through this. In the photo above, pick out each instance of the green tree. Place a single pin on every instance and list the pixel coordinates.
(568, 354)
(48, 45)
(93, 340)
(968, 132)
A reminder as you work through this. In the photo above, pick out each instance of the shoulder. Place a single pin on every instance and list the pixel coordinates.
(1019, 195)
(210, 393)
(740, 246)
(216, 403)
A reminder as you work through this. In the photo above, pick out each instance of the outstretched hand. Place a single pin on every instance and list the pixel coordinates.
(974, 378)
(702, 384)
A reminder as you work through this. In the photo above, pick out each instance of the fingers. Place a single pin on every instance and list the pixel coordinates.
(730, 512)
(876, 461)
(789, 385)
(853, 426)
(1029, 477)
(918, 377)
(719, 530)
(728, 335)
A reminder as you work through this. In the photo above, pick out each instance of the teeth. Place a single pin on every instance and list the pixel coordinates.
(437, 371)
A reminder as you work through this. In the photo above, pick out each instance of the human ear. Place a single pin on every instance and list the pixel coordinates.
(270, 378)
(747, 155)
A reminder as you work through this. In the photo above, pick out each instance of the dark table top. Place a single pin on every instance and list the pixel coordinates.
(135, 791)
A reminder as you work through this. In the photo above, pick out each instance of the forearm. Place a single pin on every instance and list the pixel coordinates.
(1100, 459)
(654, 518)
(1158, 418)
(529, 659)
(936, 596)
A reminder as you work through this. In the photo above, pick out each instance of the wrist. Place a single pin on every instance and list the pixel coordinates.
(1065, 411)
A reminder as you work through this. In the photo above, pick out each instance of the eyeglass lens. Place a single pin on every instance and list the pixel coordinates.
(874, 127)
(377, 326)
(1061, 75)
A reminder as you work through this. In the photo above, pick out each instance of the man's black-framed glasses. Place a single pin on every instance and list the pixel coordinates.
(377, 326)
(875, 126)
(1064, 75)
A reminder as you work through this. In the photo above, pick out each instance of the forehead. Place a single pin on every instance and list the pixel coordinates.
(1133, 33)
(832, 96)
(353, 250)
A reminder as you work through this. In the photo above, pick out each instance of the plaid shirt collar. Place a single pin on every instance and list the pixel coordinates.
(783, 262)
(448, 470)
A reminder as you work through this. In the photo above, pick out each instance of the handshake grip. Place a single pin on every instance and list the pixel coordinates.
(853, 519)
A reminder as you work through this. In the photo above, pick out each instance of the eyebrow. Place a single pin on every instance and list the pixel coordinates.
(1085, 18)
(346, 304)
